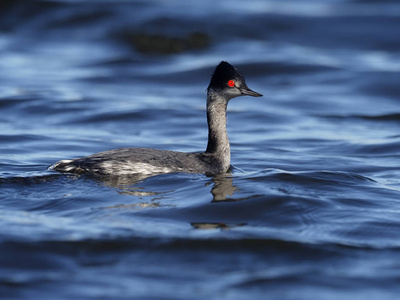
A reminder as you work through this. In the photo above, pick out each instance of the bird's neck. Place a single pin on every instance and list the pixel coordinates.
(218, 142)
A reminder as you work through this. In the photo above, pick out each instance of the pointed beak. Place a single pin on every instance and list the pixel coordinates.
(248, 92)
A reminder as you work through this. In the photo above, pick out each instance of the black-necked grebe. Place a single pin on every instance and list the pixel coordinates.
(226, 83)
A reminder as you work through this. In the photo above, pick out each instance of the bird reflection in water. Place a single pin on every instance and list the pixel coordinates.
(222, 190)
(222, 186)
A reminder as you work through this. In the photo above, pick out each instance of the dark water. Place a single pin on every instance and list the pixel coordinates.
(311, 209)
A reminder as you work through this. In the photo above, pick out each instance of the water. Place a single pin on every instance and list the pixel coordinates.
(311, 209)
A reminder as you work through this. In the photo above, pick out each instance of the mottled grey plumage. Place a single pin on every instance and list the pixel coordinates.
(216, 158)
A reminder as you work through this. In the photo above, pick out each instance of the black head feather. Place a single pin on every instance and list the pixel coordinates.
(222, 74)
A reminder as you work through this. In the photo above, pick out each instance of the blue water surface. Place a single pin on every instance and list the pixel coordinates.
(311, 207)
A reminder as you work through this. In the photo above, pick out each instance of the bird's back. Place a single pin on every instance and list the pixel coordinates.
(128, 161)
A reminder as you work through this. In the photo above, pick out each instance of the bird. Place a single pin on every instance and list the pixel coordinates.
(226, 83)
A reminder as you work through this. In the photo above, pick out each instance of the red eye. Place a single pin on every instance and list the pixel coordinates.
(231, 83)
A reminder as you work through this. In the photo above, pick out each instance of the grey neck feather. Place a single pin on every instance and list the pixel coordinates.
(218, 142)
